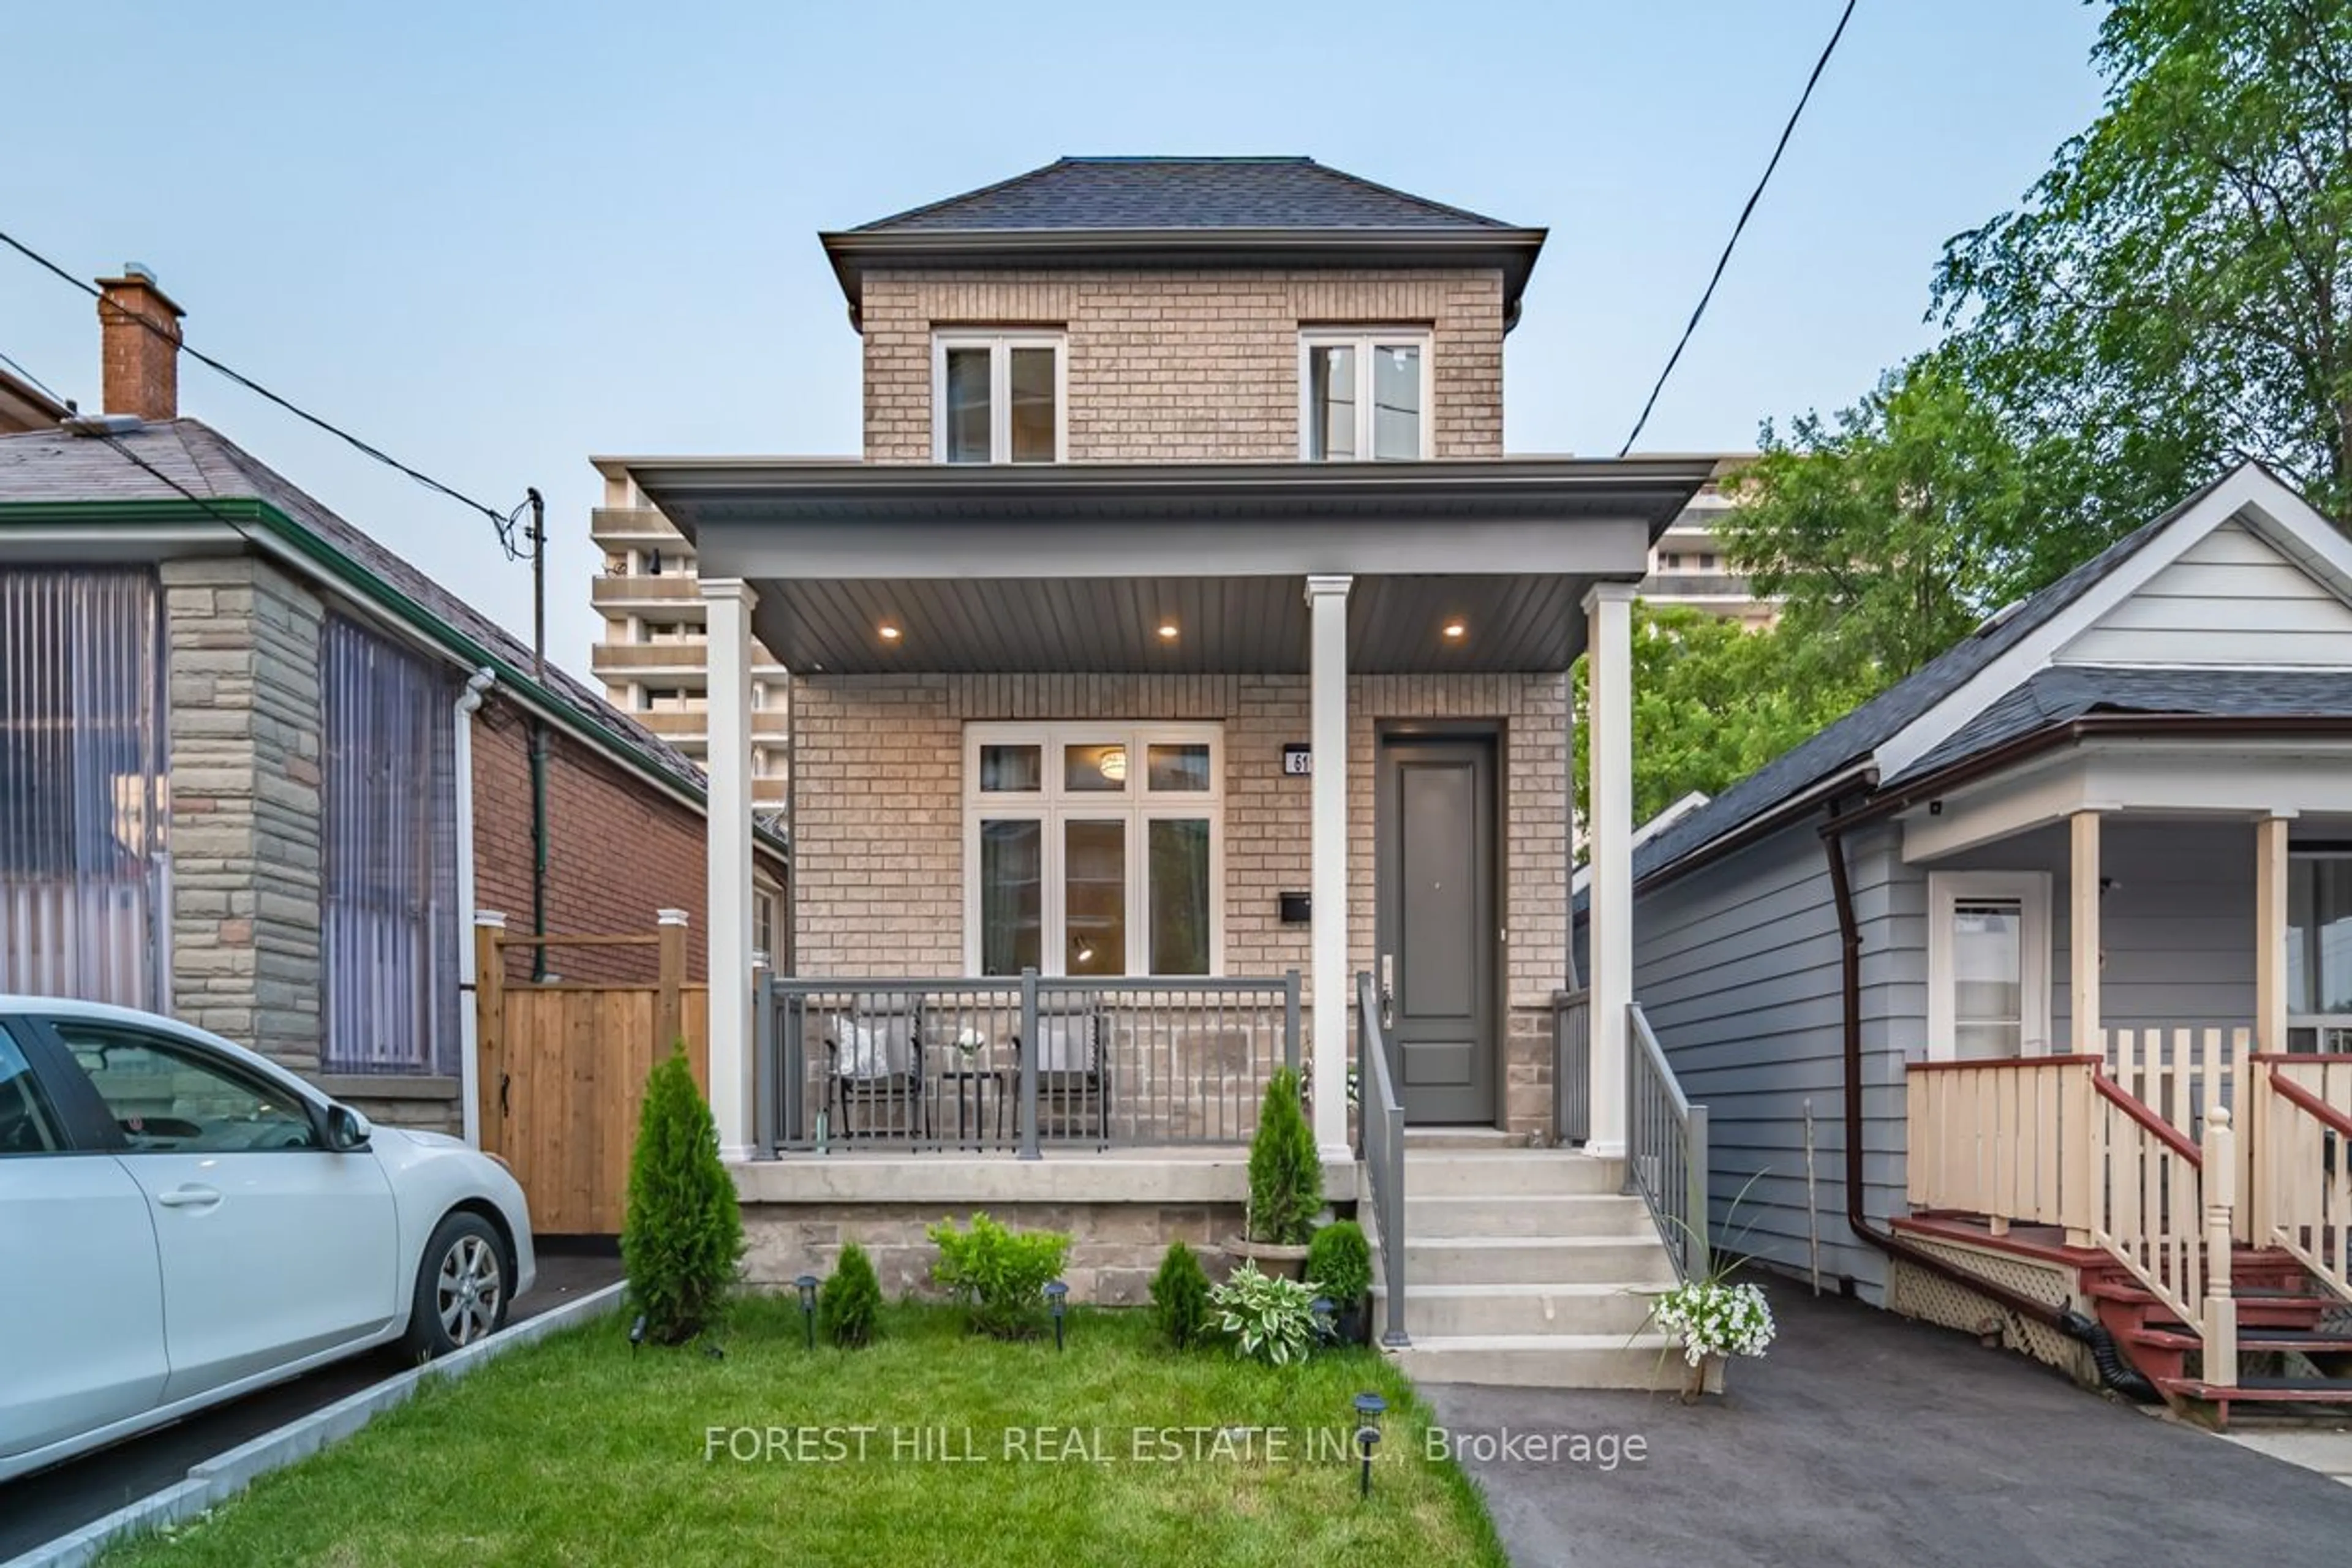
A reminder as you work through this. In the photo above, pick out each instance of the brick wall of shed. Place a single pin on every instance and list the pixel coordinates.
(1179, 367)
(880, 819)
(619, 852)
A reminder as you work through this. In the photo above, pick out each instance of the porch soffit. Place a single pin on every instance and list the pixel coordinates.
(2241, 776)
(1074, 567)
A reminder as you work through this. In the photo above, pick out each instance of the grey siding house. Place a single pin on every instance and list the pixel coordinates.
(2032, 946)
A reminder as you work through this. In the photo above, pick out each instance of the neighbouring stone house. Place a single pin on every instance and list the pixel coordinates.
(1184, 649)
(258, 771)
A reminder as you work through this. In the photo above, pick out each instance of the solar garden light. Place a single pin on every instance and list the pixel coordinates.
(807, 1283)
(1368, 1407)
(1324, 1331)
(1057, 1296)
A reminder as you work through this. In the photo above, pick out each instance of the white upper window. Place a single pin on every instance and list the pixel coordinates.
(1363, 393)
(998, 398)
(1988, 965)
(1094, 848)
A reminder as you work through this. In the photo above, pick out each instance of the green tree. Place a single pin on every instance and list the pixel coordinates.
(1896, 526)
(1714, 701)
(683, 1234)
(2176, 292)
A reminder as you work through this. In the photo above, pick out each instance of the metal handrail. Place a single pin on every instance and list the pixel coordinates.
(1572, 1066)
(1665, 1147)
(1379, 1122)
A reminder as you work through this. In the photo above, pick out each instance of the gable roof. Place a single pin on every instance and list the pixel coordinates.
(1183, 193)
(1186, 212)
(1947, 709)
(59, 468)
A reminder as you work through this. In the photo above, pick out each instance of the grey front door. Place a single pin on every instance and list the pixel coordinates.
(1437, 923)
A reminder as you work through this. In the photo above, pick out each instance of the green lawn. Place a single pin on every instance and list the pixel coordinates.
(576, 1451)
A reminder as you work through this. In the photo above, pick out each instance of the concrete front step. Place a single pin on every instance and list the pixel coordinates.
(1534, 1173)
(1544, 1361)
(1534, 1308)
(1628, 1260)
(1582, 1214)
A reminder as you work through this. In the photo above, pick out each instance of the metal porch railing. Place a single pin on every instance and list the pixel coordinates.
(1665, 1147)
(1379, 1123)
(1019, 1063)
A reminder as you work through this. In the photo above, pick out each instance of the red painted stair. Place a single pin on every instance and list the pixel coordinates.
(2285, 1356)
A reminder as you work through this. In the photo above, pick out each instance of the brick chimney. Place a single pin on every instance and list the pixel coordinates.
(141, 368)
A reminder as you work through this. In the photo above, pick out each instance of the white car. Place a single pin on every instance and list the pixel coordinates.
(183, 1221)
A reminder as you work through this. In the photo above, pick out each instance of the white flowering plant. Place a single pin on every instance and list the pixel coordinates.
(1714, 1317)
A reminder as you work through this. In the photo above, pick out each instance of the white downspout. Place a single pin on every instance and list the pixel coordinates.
(470, 1046)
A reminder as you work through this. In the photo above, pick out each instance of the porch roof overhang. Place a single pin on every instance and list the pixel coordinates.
(1074, 567)
(2167, 765)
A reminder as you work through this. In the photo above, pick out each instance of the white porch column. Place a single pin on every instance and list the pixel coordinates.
(2083, 939)
(1609, 613)
(728, 603)
(1327, 603)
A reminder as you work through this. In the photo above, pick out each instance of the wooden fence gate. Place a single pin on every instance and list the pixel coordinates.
(563, 1071)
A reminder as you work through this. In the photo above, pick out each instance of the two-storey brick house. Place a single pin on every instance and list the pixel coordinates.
(1184, 649)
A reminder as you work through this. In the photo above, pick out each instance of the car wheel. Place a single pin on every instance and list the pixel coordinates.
(461, 1286)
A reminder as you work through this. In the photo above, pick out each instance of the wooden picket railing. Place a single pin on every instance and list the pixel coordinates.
(2058, 1141)
(2303, 1189)
(2007, 1139)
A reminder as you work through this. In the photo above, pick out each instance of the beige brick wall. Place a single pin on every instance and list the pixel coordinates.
(1184, 366)
(880, 818)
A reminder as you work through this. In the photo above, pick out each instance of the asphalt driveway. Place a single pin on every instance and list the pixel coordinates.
(1867, 1439)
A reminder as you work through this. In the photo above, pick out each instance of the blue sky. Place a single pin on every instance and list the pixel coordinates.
(495, 238)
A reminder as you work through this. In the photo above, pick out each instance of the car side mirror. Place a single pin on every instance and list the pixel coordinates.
(347, 1131)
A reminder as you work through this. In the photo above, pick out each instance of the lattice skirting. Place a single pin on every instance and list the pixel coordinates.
(1929, 1296)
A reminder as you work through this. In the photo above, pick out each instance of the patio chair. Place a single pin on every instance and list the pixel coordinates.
(873, 1083)
(1073, 1070)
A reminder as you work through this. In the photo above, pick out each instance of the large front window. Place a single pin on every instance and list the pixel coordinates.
(996, 398)
(1364, 394)
(1094, 849)
(2319, 950)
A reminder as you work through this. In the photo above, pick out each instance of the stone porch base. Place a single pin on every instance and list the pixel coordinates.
(1121, 1208)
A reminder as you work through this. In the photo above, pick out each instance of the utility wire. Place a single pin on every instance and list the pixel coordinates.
(1725, 260)
(503, 520)
(35, 382)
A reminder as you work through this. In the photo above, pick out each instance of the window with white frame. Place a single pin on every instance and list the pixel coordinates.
(997, 397)
(2319, 950)
(1363, 393)
(1094, 848)
(1988, 965)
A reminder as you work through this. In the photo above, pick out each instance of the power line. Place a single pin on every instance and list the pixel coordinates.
(1725, 260)
(35, 382)
(504, 520)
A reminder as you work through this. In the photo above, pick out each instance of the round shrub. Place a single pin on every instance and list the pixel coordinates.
(999, 1274)
(1339, 1262)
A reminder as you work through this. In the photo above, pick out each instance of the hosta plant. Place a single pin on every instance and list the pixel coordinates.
(1270, 1316)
